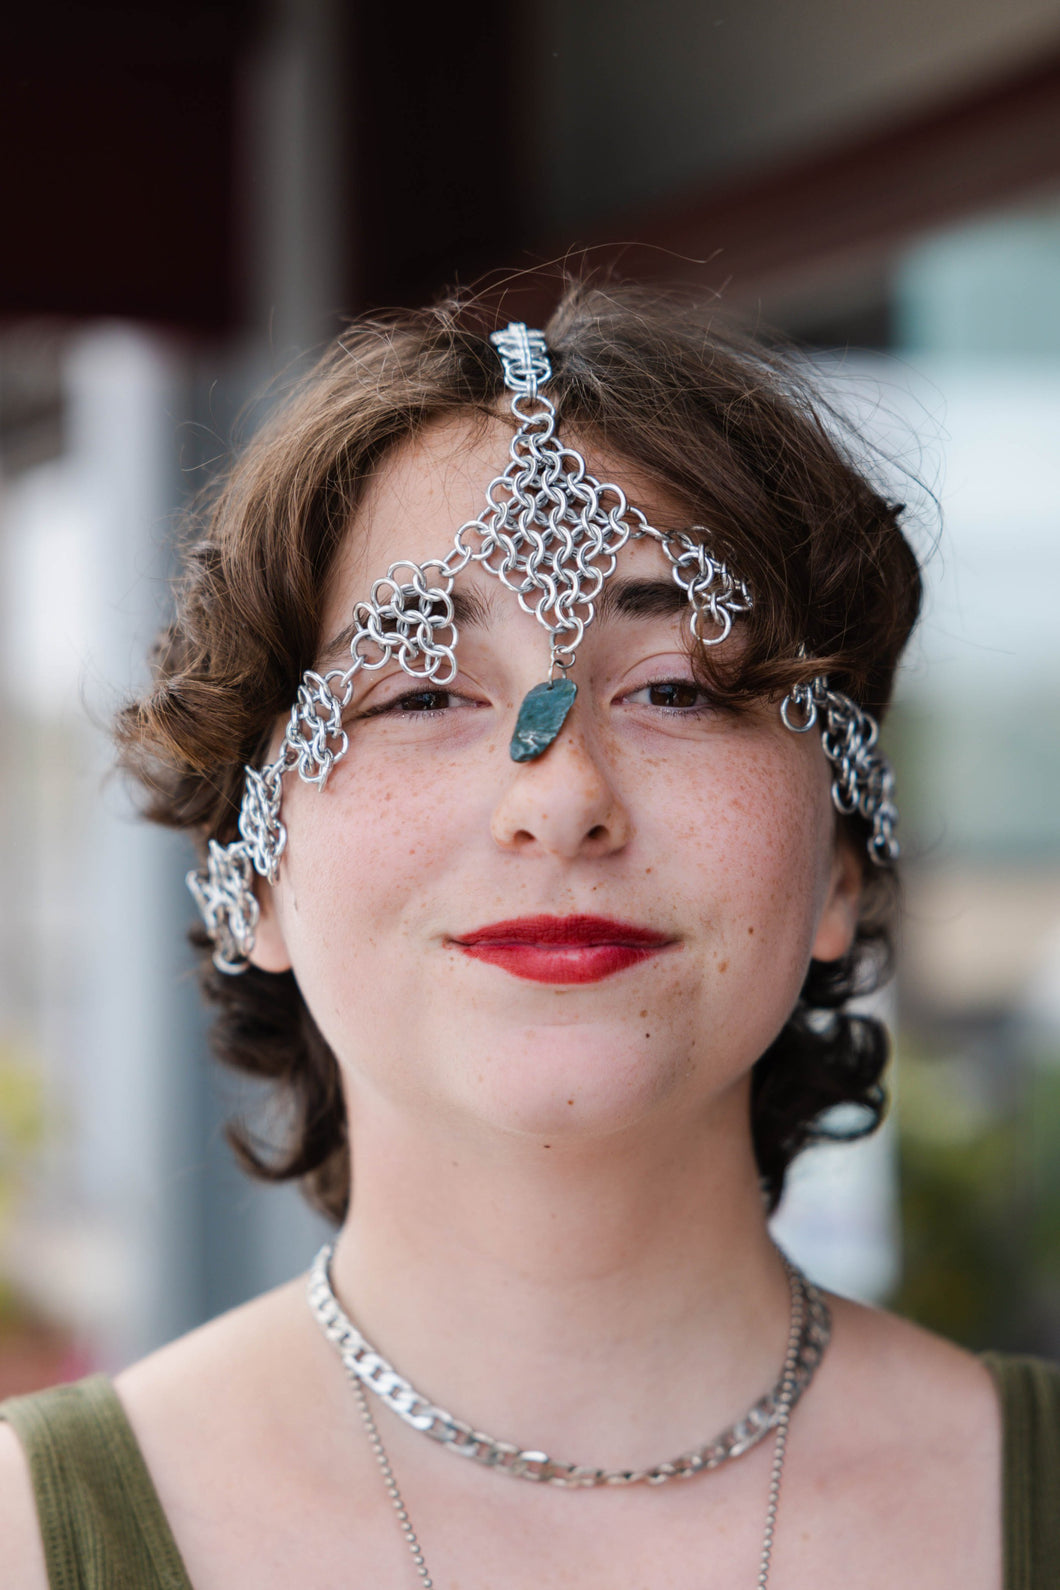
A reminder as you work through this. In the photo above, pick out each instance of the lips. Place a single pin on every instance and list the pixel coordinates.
(562, 949)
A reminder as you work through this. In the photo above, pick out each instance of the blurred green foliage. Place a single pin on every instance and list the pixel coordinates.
(980, 1192)
(22, 1125)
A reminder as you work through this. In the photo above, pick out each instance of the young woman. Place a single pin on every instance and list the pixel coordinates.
(540, 907)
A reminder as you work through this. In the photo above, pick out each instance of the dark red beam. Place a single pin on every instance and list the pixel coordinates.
(853, 204)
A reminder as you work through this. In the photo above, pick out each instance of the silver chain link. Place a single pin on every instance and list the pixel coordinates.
(366, 1366)
(379, 1377)
(864, 780)
(785, 1404)
(375, 1441)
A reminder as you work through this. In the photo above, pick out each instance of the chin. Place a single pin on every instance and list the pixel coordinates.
(576, 1082)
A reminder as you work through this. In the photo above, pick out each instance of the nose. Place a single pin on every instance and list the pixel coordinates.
(564, 803)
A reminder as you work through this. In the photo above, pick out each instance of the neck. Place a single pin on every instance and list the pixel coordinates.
(519, 1285)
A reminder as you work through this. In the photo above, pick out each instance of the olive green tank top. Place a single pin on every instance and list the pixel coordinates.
(104, 1529)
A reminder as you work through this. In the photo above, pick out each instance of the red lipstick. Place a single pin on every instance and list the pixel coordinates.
(562, 949)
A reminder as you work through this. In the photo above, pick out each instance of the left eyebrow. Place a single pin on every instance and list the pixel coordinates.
(641, 599)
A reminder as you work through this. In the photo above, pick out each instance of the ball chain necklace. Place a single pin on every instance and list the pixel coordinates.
(808, 1336)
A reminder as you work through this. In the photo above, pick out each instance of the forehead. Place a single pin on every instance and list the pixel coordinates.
(428, 486)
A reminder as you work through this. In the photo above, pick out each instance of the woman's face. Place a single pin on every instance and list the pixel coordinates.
(708, 836)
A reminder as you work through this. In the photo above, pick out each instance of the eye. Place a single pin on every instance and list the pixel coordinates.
(414, 701)
(429, 702)
(673, 695)
(423, 701)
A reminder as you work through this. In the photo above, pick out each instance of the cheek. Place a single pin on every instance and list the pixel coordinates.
(752, 848)
(364, 861)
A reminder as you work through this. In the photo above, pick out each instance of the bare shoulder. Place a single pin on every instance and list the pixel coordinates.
(910, 1375)
(23, 1554)
(196, 1408)
(230, 1375)
(907, 1430)
(241, 1437)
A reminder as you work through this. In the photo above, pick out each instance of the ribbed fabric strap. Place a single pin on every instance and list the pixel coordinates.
(1030, 1406)
(101, 1521)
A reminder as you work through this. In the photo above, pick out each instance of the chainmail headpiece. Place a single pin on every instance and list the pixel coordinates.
(551, 533)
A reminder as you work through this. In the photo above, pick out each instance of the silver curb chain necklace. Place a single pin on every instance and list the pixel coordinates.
(808, 1335)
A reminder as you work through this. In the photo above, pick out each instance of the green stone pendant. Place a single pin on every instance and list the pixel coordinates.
(541, 716)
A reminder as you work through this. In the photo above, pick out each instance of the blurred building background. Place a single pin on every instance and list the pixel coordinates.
(193, 196)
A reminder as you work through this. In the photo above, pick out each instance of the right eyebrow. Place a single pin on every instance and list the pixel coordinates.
(643, 598)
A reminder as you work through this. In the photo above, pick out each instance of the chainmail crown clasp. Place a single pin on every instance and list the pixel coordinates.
(524, 357)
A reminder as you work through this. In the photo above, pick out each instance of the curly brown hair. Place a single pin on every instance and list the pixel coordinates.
(727, 426)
